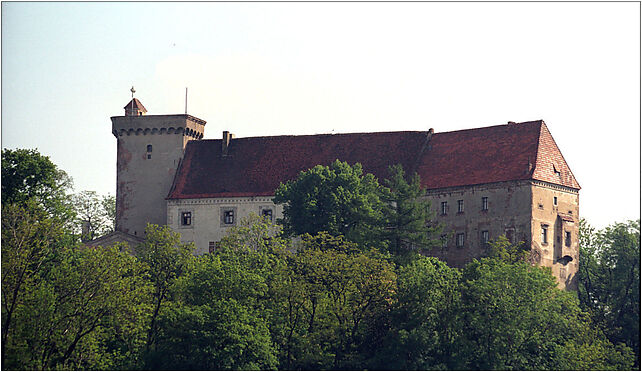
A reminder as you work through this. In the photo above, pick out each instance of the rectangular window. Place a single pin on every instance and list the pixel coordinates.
(444, 241)
(544, 234)
(554, 200)
(484, 203)
(186, 218)
(444, 208)
(567, 238)
(267, 214)
(228, 217)
(149, 148)
(485, 236)
(460, 206)
(460, 240)
(213, 246)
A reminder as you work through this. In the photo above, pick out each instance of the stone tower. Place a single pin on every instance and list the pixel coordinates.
(149, 150)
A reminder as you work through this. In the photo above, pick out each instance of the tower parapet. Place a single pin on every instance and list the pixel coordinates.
(149, 150)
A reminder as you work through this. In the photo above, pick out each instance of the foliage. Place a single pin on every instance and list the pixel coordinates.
(338, 199)
(426, 318)
(516, 318)
(166, 259)
(609, 280)
(504, 250)
(27, 175)
(95, 214)
(409, 226)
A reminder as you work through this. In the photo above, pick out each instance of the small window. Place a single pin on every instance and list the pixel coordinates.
(484, 203)
(540, 206)
(444, 208)
(149, 148)
(214, 246)
(149, 156)
(186, 218)
(556, 171)
(267, 214)
(485, 236)
(554, 200)
(228, 217)
(460, 240)
(544, 234)
(460, 206)
(567, 238)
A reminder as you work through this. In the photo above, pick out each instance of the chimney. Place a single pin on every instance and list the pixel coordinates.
(227, 138)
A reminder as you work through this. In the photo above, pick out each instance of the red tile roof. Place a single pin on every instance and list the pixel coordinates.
(136, 104)
(256, 165)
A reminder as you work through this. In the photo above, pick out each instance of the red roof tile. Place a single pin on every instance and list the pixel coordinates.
(256, 165)
(136, 104)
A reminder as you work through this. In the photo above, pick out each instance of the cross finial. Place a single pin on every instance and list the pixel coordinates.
(133, 91)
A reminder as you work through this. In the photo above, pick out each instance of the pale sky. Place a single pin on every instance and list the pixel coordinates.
(260, 69)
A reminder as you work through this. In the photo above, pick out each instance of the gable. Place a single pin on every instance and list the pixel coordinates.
(255, 166)
(551, 166)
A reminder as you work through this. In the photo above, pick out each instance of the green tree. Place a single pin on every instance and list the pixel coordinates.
(504, 250)
(28, 175)
(338, 199)
(409, 225)
(515, 317)
(30, 241)
(609, 280)
(166, 259)
(426, 318)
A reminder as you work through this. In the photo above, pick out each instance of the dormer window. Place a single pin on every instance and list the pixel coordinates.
(556, 171)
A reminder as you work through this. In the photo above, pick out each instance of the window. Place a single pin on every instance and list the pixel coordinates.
(460, 240)
(484, 203)
(149, 156)
(544, 234)
(567, 238)
(267, 214)
(556, 171)
(485, 236)
(460, 206)
(540, 206)
(444, 208)
(213, 246)
(228, 217)
(186, 218)
(554, 200)
(149, 148)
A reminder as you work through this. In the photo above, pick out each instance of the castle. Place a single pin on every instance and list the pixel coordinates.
(506, 179)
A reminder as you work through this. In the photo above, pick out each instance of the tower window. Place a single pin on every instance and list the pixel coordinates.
(554, 200)
(460, 206)
(567, 238)
(186, 218)
(544, 234)
(484, 203)
(149, 148)
(444, 208)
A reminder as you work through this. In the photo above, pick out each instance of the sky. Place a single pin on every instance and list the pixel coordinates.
(258, 69)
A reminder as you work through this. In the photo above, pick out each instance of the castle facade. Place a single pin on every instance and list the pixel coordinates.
(485, 182)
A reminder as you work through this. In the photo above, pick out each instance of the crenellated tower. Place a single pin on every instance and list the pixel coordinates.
(149, 151)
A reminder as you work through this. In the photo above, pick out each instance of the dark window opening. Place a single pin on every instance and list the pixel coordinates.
(149, 156)
(484, 203)
(444, 241)
(460, 206)
(485, 237)
(149, 148)
(554, 200)
(186, 218)
(228, 217)
(567, 238)
(213, 246)
(460, 240)
(544, 234)
(267, 214)
(444, 208)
